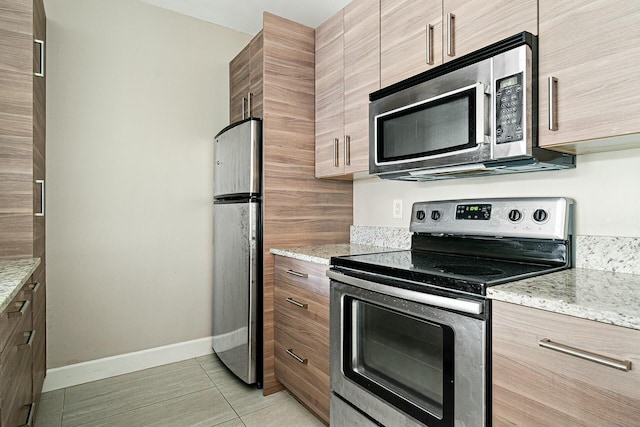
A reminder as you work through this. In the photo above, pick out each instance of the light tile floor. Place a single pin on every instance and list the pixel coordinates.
(196, 392)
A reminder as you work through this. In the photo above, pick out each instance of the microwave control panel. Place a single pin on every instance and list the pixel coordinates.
(509, 109)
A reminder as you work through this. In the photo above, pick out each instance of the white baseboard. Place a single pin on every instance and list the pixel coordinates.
(80, 373)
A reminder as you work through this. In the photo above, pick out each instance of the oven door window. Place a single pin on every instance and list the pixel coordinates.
(404, 360)
(433, 127)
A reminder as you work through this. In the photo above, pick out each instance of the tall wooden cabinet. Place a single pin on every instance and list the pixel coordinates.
(23, 154)
(347, 70)
(245, 82)
(590, 55)
(298, 209)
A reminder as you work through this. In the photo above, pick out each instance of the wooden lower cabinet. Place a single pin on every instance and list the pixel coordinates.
(533, 385)
(302, 332)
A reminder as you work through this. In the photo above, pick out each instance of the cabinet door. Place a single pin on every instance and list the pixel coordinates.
(479, 23)
(39, 135)
(361, 77)
(533, 385)
(239, 69)
(592, 48)
(403, 38)
(330, 97)
(254, 104)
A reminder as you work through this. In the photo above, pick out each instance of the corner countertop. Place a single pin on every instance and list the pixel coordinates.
(13, 274)
(321, 254)
(603, 296)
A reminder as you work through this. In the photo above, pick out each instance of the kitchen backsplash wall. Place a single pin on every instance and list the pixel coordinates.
(619, 254)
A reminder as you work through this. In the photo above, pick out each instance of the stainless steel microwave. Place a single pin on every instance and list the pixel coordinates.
(476, 115)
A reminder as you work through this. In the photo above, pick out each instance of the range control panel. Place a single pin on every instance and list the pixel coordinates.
(527, 217)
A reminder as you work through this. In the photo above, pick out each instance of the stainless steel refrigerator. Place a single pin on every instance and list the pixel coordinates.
(237, 249)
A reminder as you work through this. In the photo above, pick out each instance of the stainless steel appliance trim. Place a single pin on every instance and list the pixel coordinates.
(462, 305)
(552, 85)
(295, 356)
(296, 303)
(622, 365)
(41, 183)
(481, 112)
(297, 274)
(42, 50)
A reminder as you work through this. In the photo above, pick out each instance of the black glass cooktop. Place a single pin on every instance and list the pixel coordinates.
(416, 269)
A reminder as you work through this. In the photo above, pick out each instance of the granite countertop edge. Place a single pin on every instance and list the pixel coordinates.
(14, 273)
(322, 254)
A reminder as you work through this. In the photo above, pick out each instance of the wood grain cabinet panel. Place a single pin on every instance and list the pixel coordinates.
(403, 38)
(245, 81)
(347, 70)
(302, 332)
(533, 385)
(592, 49)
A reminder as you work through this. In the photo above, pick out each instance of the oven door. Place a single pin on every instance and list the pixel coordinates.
(406, 362)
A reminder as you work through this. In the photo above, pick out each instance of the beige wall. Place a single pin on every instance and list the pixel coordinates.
(135, 95)
(605, 187)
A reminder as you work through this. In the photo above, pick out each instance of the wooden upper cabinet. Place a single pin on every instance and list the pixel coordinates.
(361, 77)
(591, 48)
(245, 81)
(469, 25)
(534, 385)
(405, 26)
(330, 97)
(347, 70)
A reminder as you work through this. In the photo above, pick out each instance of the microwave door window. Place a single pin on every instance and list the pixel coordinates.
(428, 129)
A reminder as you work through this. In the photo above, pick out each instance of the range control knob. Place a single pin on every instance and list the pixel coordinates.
(540, 215)
(435, 215)
(420, 215)
(515, 215)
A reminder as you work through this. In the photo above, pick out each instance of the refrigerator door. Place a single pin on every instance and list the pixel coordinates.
(237, 158)
(236, 280)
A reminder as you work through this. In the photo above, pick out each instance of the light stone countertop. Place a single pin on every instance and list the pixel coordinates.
(603, 296)
(321, 254)
(13, 274)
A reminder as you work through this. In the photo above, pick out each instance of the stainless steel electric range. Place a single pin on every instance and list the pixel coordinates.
(410, 330)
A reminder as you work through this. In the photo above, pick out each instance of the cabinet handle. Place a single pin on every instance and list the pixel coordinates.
(41, 44)
(29, 342)
(243, 101)
(295, 356)
(623, 365)
(553, 89)
(41, 182)
(347, 150)
(248, 104)
(33, 288)
(451, 31)
(19, 313)
(429, 44)
(296, 303)
(295, 273)
(335, 153)
(32, 411)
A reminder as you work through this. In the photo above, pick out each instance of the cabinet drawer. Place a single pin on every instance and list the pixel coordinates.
(37, 292)
(15, 312)
(304, 274)
(15, 371)
(307, 377)
(536, 385)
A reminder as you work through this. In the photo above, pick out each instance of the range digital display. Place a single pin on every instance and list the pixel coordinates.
(474, 212)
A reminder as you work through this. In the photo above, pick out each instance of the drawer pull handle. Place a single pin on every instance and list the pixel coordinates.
(623, 365)
(553, 103)
(33, 288)
(296, 303)
(40, 43)
(19, 313)
(32, 411)
(29, 342)
(295, 356)
(295, 273)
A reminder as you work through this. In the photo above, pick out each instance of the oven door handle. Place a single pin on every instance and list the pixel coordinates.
(458, 304)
